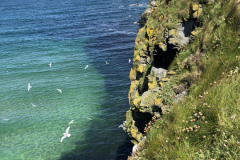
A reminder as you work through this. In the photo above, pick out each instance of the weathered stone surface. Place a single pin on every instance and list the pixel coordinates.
(147, 12)
(144, 16)
(180, 37)
(152, 82)
(148, 101)
(159, 72)
(179, 97)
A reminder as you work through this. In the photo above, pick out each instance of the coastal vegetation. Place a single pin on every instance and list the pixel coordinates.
(197, 91)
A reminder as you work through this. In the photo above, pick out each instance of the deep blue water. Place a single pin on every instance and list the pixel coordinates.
(69, 34)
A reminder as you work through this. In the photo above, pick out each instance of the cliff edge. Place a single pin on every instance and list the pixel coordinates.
(185, 56)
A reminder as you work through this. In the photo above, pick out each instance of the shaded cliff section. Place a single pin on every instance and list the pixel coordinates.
(164, 34)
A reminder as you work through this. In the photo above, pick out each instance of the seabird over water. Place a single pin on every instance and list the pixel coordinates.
(59, 90)
(71, 122)
(65, 134)
(29, 86)
(86, 67)
(89, 118)
(50, 64)
(33, 105)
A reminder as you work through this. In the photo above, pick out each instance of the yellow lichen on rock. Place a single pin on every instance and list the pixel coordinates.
(136, 101)
(140, 30)
(135, 133)
(135, 52)
(172, 41)
(165, 79)
(142, 53)
(161, 84)
(163, 46)
(144, 48)
(195, 7)
(171, 72)
(158, 101)
(194, 33)
(197, 10)
(132, 88)
(150, 31)
(132, 74)
(153, 84)
(137, 58)
(140, 68)
(172, 32)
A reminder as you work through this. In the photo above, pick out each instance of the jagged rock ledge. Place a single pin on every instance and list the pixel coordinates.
(156, 45)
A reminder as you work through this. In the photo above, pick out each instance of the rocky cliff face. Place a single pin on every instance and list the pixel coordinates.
(164, 34)
(184, 92)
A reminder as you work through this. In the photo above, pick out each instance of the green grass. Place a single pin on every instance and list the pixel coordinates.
(206, 124)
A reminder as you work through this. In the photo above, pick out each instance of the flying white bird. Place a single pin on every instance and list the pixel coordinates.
(106, 62)
(89, 118)
(33, 105)
(65, 134)
(129, 60)
(59, 90)
(86, 67)
(50, 64)
(29, 86)
(71, 122)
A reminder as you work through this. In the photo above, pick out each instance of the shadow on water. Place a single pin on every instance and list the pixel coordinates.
(104, 140)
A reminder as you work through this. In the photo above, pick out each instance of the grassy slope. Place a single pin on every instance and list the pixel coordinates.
(206, 124)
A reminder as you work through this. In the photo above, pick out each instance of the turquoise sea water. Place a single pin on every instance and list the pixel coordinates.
(70, 35)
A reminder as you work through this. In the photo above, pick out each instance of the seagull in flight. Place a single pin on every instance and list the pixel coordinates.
(86, 67)
(50, 64)
(65, 134)
(89, 118)
(106, 62)
(59, 90)
(129, 60)
(29, 86)
(71, 122)
(33, 105)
